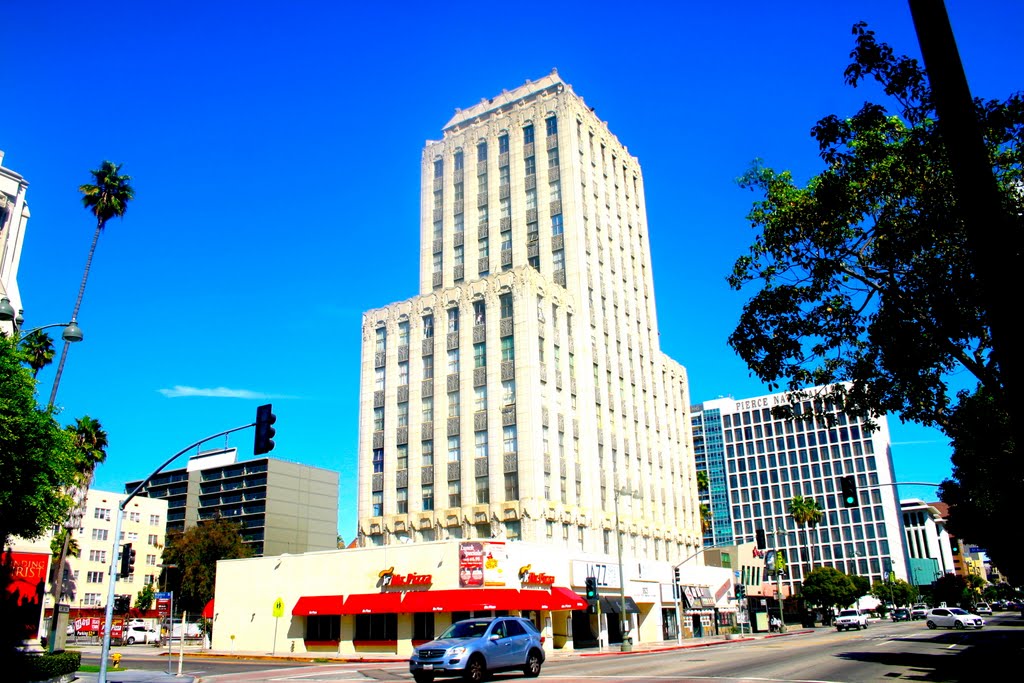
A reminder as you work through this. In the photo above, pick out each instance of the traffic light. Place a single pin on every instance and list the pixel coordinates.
(127, 561)
(263, 442)
(677, 577)
(741, 591)
(122, 603)
(848, 486)
(761, 542)
(591, 588)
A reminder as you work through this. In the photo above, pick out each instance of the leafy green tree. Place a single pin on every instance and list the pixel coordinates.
(950, 589)
(806, 512)
(899, 592)
(828, 587)
(38, 349)
(145, 597)
(38, 458)
(988, 482)
(194, 554)
(861, 586)
(105, 198)
(864, 281)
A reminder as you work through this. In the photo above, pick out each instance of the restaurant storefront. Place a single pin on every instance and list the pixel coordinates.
(362, 601)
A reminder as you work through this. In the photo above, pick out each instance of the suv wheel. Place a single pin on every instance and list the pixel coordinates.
(931, 624)
(532, 668)
(476, 669)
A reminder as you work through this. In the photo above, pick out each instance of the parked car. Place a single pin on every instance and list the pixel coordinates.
(982, 608)
(851, 619)
(901, 614)
(475, 648)
(919, 611)
(953, 617)
(140, 634)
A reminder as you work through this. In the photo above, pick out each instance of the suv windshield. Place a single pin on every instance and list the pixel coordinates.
(849, 613)
(466, 629)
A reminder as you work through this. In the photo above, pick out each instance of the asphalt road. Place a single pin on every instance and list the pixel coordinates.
(884, 652)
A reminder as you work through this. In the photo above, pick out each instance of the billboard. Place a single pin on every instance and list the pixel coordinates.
(23, 576)
(482, 563)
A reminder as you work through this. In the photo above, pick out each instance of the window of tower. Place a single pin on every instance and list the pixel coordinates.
(481, 151)
(528, 134)
(438, 168)
(551, 123)
(503, 144)
(556, 224)
(378, 460)
(458, 161)
(378, 503)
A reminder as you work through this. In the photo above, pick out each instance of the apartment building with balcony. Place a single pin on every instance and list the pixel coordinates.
(281, 506)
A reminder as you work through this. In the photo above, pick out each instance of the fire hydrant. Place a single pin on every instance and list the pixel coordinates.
(116, 658)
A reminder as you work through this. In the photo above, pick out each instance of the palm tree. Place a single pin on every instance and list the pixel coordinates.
(91, 440)
(38, 349)
(705, 508)
(107, 198)
(806, 512)
(705, 518)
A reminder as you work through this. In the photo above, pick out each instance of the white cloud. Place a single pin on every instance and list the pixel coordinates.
(219, 392)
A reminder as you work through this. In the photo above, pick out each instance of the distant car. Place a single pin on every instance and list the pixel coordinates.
(140, 634)
(851, 619)
(953, 617)
(475, 648)
(919, 611)
(982, 608)
(901, 614)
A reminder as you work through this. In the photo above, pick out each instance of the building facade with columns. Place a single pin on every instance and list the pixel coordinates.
(524, 385)
(14, 215)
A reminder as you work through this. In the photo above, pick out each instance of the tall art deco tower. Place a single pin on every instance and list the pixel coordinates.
(524, 386)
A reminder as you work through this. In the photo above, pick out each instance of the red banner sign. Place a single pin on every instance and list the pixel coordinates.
(26, 586)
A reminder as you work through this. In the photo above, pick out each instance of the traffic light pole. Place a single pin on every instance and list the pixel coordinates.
(102, 677)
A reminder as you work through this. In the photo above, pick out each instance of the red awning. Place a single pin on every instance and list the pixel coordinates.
(467, 600)
(558, 599)
(373, 603)
(208, 610)
(313, 605)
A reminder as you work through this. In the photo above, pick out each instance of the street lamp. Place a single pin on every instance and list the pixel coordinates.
(626, 644)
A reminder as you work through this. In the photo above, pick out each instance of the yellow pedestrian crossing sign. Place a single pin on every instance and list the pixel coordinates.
(279, 607)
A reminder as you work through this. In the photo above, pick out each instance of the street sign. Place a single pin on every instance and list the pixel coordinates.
(278, 608)
(163, 606)
(163, 596)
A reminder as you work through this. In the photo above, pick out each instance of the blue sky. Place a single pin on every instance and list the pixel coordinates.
(275, 154)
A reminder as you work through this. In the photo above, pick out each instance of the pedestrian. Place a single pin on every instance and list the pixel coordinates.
(773, 624)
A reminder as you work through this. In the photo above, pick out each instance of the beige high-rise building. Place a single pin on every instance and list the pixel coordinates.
(523, 387)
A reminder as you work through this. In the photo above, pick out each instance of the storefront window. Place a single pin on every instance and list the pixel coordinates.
(423, 626)
(323, 628)
(376, 627)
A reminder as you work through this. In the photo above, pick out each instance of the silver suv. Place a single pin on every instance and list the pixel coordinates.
(475, 648)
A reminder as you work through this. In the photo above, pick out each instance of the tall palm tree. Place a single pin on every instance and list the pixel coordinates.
(806, 512)
(38, 349)
(106, 198)
(703, 484)
(91, 440)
